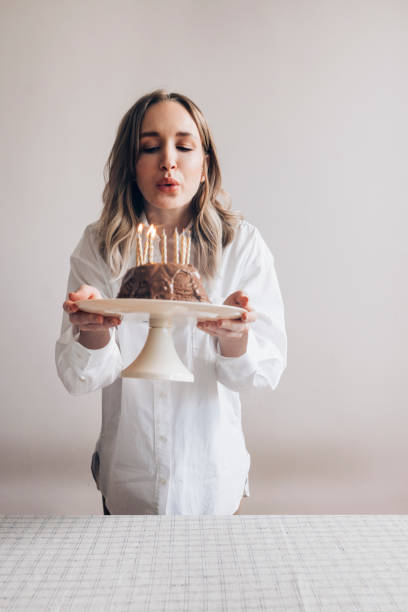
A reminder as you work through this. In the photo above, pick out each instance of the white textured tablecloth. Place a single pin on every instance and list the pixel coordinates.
(157, 563)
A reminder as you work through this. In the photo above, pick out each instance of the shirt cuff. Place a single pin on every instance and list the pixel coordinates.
(85, 357)
(237, 372)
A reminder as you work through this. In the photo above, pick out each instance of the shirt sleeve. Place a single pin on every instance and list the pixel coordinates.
(81, 369)
(265, 359)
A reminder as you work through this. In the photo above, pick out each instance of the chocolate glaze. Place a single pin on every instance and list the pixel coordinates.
(159, 281)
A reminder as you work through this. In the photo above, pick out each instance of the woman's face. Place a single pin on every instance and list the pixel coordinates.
(170, 148)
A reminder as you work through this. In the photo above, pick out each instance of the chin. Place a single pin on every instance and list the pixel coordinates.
(168, 204)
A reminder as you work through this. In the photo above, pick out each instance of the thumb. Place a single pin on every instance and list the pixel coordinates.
(241, 298)
(85, 292)
(238, 298)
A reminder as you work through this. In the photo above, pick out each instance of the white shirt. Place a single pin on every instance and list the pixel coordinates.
(177, 447)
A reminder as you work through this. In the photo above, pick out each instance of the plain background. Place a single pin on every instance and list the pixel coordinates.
(307, 104)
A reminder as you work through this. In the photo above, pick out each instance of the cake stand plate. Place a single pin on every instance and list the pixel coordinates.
(158, 359)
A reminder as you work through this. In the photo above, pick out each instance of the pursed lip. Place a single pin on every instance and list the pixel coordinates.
(167, 181)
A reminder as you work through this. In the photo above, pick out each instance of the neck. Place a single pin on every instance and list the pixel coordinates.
(170, 218)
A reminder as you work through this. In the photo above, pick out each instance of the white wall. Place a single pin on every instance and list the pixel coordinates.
(307, 104)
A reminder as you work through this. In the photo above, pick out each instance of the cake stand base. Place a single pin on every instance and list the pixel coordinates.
(158, 359)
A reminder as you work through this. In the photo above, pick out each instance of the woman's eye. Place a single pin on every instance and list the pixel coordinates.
(152, 149)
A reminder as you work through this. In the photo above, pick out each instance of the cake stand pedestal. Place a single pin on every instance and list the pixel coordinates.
(159, 360)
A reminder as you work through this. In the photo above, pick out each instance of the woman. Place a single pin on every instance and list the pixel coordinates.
(171, 447)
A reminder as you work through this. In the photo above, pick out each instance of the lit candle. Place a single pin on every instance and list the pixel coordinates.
(151, 243)
(164, 247)
(188, 246)
(176, 246)
(183, 247)
(146, 246)
(139, 246)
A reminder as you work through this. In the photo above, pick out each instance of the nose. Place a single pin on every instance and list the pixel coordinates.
(167, 165)
(168, 160)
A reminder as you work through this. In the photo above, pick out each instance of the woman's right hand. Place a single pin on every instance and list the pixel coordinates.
(87, 321)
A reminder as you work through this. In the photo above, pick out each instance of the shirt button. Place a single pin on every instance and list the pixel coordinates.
(163, 395)
(82, 378)
(163, 438)
(163, 481)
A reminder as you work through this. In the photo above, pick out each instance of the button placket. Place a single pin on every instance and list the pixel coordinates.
(162, 450)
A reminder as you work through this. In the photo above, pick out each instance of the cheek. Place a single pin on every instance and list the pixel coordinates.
(143, 171)
(193, 169)
(142, 166)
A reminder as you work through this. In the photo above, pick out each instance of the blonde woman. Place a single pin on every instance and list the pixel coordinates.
(171, 447)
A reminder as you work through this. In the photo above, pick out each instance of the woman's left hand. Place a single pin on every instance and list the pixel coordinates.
(232, 333)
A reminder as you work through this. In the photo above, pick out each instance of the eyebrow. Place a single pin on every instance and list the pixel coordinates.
(143, 134)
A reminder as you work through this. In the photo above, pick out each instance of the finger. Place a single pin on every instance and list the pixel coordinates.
(95, 327)
(222, 323)
(207, 324)
(218, 333)
(97, 323)
(222, 326)
(112, 321)
(70, 306)
(82, 318)
(85, 318)
(231, 325)
(249, 317)
(224, 333)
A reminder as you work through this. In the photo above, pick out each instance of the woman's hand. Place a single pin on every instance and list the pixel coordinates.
(232, 333)
(94, 328)
(87, 321)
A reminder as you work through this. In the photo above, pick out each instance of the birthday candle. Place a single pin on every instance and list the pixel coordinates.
(164, 247)
(183, 247)
(139, 246)
(151, 244)
(188, 246)
(176, 246)
(146, 246)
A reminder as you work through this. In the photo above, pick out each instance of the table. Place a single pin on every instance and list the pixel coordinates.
(180, 563)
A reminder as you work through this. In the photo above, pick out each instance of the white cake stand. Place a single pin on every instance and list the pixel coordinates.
(158, 359)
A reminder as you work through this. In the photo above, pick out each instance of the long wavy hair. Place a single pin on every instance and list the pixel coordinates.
(213, 222)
